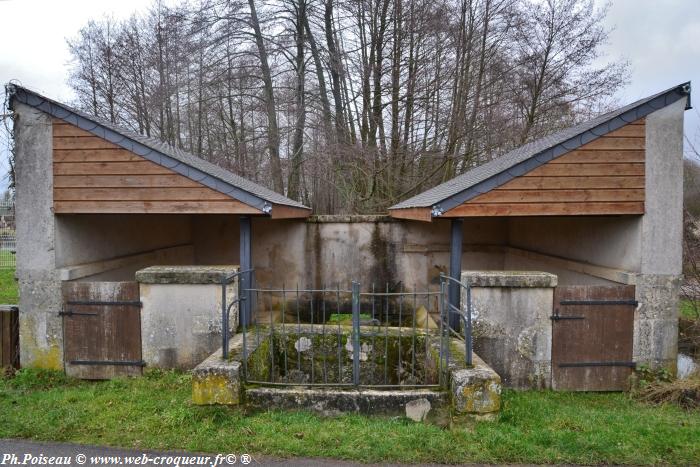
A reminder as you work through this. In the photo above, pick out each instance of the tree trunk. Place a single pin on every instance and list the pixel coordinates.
(273, 137)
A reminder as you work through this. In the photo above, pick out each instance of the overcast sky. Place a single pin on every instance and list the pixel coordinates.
(660, 39)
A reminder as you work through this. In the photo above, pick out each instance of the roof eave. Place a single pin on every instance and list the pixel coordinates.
(542, 157)
(60, 111)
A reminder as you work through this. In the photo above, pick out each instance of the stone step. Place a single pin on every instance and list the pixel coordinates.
(416, 404)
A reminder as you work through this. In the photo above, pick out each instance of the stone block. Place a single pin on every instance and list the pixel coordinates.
(184, 274)
(216, 382)
(181, 321)
(512, 329)
(476, 391)
(533, 279)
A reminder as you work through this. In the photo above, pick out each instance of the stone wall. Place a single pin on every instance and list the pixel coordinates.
(661, 256)
(41, 331)
(511, 324)
(181, 314)
(330, 250)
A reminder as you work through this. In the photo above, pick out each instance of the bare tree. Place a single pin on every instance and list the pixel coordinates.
(352, 104)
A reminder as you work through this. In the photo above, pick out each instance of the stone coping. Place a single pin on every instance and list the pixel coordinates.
(184, 274)
(524, 279)
(349, 219)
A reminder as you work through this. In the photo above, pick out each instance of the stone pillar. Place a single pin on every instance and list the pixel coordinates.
(512, 328)
(181, 313)
(41, 331)
(658, 285)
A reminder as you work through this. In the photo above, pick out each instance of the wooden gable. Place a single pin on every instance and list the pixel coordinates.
(605, 176)
(93, 175)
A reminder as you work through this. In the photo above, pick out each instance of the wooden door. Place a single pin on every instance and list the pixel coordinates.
(9, 337)
(102, 329)
(592, 333)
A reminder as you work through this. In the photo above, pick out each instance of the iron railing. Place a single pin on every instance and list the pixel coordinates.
(465, 315)
(243, 297)
(345, 337)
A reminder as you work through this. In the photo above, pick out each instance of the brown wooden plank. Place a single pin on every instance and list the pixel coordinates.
(95, 155)
(531, 196)
(634, 131)
(566, 183)
(545, 209)
(113, 333)
(288, 212)
(138, 194)
(615, 143)
(416, 214)
(605, 334)
(582, 156)
(82, 142)
(153, 207)
(143, 167)
(118, 181)
(570, 170)
(69, 130)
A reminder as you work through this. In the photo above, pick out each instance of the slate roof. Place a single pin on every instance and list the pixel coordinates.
(502, 169)
(163, 154)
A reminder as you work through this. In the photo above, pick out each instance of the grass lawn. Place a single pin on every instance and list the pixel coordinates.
(535, 427)
(9, 293)
(690, 309)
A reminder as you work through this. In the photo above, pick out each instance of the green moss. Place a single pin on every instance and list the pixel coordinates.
(327, 358)
(214, 389)
(346, 318)
(690, 309)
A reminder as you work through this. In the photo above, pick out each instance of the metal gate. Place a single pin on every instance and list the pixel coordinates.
(102, 329)
(592, 333)
(376, 338)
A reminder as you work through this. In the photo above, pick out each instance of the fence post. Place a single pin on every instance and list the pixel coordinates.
(453, 286)
(224, 319)
(468, 326)
(356, 333)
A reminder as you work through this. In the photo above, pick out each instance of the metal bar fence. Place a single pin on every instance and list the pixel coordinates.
(340, 337)
(466, 317)
(8, 240)
(226, 307)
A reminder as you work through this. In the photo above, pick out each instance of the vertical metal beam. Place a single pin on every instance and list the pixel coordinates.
(224, 320)
(455, 272)
(246, 260)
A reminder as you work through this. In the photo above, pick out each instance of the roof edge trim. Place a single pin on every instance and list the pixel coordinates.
(542, 157)
(57, 110)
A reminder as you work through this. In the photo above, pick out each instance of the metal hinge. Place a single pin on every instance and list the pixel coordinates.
(109, 362)
(587, 364)
(100, 303)
(556, 316)
(599, 302)
(71, 313)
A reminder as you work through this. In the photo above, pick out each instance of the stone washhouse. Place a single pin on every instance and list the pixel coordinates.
(571, 246)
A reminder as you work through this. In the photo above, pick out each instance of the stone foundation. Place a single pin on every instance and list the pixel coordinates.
(473, 393)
